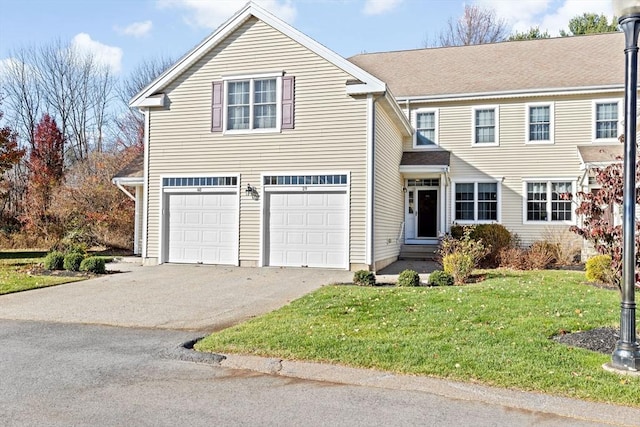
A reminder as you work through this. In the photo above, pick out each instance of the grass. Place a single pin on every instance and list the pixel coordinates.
(15, 276)
(496, 332)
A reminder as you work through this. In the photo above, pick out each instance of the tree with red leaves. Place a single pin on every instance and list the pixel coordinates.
(45, 174)
(597, 227)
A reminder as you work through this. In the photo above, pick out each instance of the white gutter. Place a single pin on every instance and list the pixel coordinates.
(118, 183)
(370, 187)
(145, 184)
(513, 93)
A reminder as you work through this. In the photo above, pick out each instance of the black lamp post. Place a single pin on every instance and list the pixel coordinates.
(626, 355)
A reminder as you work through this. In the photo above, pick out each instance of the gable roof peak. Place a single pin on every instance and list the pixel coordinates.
(370, 84)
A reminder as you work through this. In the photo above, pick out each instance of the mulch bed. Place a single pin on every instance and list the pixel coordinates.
(602, 340)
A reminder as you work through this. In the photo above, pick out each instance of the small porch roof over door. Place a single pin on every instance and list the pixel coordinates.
(432, 161)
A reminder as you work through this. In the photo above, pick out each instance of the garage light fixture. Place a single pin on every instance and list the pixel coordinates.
(252, 191)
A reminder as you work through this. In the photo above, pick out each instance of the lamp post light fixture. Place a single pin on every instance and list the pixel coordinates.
(626, 356)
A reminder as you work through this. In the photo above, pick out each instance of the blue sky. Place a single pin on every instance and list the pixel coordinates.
(122, 32)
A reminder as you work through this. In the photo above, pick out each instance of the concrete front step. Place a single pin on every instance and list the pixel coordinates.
(419, 252)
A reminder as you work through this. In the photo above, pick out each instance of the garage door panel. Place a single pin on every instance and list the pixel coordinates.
(202, 228)
(307, 229)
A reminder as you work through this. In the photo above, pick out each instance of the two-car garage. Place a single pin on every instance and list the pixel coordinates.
(305, 220)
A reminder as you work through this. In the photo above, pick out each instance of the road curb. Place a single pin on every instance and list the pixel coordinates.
(534, 402)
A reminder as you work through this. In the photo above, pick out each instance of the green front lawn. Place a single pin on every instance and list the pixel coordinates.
(495, 332)
(15, 275)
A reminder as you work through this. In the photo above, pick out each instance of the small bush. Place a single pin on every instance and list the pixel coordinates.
(459, 265)
(93, 264)
(512, 257)
(598, 269)
(494, 238)
(364, 278)
(54, 261)
(409, 278)
(440, 278)
(72, 261)
(540, 255)
(567, 245)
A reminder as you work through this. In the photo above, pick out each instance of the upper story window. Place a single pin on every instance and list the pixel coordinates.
(261, 103)
(540, 123)
(606, 119)
(549, 200)
(485, 126)
(426, 122)
(476, 201)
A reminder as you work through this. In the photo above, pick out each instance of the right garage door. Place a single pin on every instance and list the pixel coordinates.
(307, 229)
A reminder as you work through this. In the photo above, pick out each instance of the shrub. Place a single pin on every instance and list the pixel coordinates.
(459, 265)
(364, 278)
(93, 264)
(494, 238)
(540, 255)
(599, 269)
(567, 246)
(440, 278)
(54, 260)
(72, 261)
(512, 257)
(409, 278)
(461, 256)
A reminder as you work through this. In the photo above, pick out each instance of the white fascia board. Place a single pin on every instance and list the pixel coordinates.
(252, 9)
(398, 111)
(424, 169)
(132, 181)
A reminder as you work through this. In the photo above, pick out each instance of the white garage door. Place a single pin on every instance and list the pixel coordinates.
(203, 228)
(307, 229)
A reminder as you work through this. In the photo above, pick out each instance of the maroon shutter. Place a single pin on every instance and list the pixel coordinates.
(288, 98)
(216, 107)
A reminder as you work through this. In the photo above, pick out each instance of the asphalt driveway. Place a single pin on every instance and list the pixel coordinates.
(169, 296)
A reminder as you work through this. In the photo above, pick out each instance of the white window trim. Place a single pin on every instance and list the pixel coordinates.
(593, 119)
(551, 139)
(526, 181)
(496, 109)
(252, 78)
(414, 118)
(475, 183)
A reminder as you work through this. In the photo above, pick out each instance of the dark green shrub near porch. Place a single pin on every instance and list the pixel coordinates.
(408, 278)
(364, 278)
(93, 264)
(440, 278)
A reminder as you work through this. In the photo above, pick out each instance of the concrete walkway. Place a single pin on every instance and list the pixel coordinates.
(170, 296)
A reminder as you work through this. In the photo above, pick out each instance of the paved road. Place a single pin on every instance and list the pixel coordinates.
(86, 375)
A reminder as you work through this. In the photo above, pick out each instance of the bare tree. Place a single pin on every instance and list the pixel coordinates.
(23, 95)
(475, 26)
(130, 124)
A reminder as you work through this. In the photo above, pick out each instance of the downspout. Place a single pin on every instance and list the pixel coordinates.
(371, 137)
(145, 185)
(124, 190)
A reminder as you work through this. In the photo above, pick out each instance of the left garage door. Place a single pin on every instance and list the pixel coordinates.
(203, 228)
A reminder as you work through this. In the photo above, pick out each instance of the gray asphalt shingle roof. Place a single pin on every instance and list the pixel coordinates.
(557, 63)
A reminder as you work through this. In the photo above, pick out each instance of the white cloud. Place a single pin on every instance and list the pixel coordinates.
(548, 15)
(210, 14)
(109, 56)
(377, 7)
(137, 29)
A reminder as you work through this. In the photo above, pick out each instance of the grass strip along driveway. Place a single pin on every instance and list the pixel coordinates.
(495, 332)
(15, 273)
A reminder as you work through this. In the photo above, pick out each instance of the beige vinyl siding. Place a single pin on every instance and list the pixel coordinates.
(329, 134)
(514, 160)
(388, 196)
